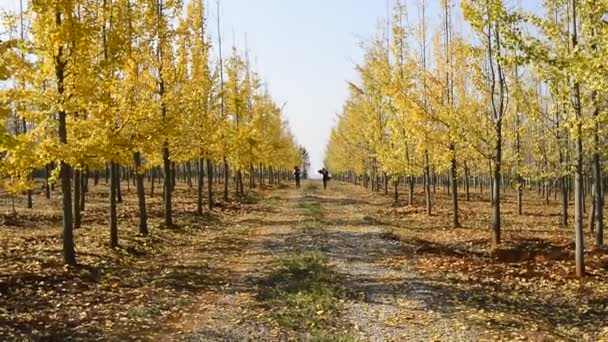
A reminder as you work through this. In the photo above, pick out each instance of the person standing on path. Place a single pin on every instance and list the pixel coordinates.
(326, 177)
(296, 176)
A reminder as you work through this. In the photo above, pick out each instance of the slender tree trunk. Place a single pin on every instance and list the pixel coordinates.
(199, 189)
(597, 192)
(173, 176)
(209, 184)
(565, 200)
(107, 174)
(168, 186)
(76, 201)
(30, 202)
(153, 172)
(189, 174)
(239, 176)
(127, 174)
(454, 181)
(427, 184)
(410, 194)
(578, 185)
(467, 177)
(47, 186)
(396, 185)
(114, 180)
(226, 176)
(69, 254)
(592, 211)
(496, 187)
(84, 188)
(118, 190)
(141, 195)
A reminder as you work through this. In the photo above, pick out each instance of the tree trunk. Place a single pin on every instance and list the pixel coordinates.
(578, 185)
(454, 181)
(76, 201)
(47, 186)
(141, 195)
(127, 174)
(496, 187)
(118, 190)
(107, 174)
(427, 184)
(592, 211)
(386, 178)
(466, 181)
(30, 203)
(84, 188)
(199, 189)
(598, 199)
(410, 194)
(69, 254)
(396, 185)
(114, 180)
(168, 186)
(239, 176)
(209, 184)
(153, 172)
(565, 200)
(226, 171)
(173, 176)
(189, 173)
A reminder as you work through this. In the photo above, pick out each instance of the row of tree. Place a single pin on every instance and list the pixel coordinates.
(130, 84)
(522, 101)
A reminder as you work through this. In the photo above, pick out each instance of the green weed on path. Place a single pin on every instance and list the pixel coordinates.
(304, 294)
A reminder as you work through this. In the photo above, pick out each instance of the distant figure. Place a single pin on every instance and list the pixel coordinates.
(296, 176)
(326, 177)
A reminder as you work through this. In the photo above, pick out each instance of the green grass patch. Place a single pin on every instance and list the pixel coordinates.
(311, 186)
(311, 208)
(303, 293)
(312, 226)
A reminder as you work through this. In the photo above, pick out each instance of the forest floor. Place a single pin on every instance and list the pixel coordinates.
(342, 264)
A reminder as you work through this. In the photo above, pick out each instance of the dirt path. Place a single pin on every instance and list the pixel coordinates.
(387, 301)
(397, 305)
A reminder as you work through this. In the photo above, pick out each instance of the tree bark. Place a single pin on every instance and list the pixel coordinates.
(76, 201)
(427, 184)
(578, 179)
(47, 186)
(454, 185)
(114, 179)
(496, 187)
(598, 199)
(84, 188)
(226, 171)
(209, 184)
(467, 177)
(117, 182)
(153, 175)
(410, 194)
(199, 188)
(141, 195)
(396, 185)
(168, 186)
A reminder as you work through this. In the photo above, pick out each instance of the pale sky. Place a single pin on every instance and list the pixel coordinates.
(305, 50)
